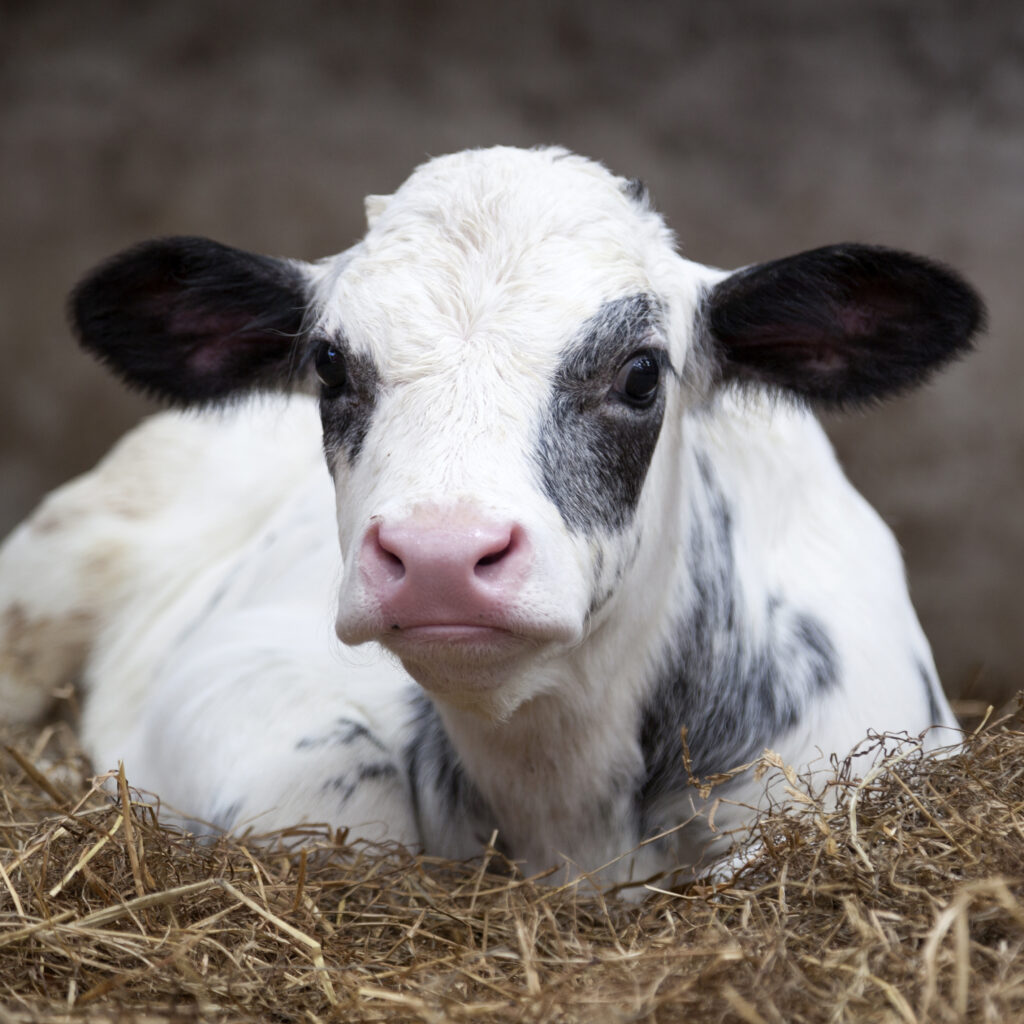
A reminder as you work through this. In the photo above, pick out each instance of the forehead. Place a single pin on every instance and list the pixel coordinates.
(499, 249)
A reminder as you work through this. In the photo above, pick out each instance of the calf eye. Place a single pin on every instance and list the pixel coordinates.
(330, 366)
(637, 381)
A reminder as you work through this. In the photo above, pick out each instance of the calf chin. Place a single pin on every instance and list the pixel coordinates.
(488, 671)
(493, 690)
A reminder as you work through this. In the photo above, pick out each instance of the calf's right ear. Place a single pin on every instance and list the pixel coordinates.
(190, 320)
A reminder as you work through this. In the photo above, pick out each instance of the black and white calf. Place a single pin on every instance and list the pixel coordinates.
(580, 498)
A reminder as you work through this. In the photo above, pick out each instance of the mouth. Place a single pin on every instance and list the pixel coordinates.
(457, 641)
(455, 632)
(456, 660)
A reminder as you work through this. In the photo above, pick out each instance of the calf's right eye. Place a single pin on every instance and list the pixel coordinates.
(330, 366)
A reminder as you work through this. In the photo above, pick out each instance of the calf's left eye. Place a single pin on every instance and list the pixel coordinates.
(637, 380)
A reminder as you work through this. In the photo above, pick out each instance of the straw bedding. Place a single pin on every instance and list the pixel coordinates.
(903, 902)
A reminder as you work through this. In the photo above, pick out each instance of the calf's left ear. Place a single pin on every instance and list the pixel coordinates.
(840, 325)
(190, 320)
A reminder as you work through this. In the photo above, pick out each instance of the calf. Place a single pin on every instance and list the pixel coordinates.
(581, 503)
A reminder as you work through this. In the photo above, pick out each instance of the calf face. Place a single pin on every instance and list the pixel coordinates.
(506, 364)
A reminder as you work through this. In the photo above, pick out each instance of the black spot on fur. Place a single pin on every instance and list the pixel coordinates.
(190, 320)
(601, 593)
(593, 450)
(346, 412)
(224, 818)
(637, 191)
(436, 774)
(342, 732)
(931, 686)
(813, 650)
(840, 325)
(735, 694)
(345, 786)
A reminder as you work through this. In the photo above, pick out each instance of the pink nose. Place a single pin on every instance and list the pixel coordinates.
(438, 568)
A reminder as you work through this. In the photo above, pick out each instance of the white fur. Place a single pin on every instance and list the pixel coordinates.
(200, 561)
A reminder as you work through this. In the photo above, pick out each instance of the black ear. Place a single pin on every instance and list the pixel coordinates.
(840, 325)
(192, 320)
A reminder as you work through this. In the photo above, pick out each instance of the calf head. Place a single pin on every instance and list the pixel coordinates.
(504, 365)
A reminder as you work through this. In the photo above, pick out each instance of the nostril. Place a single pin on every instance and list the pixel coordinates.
(486, 565)
(387, 556)
(392, 560)
(491, 559)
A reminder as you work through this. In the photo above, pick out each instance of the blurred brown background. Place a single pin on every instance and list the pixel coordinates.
(761, 128)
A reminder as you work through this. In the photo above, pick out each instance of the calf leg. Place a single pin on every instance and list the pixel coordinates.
(261, 722)
(62, 573)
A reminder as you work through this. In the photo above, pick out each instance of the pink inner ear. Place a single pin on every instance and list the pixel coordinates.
(856, 321)
(216, 340)
(208, 325)
(210, 358)
(825, 360)
(866, 309)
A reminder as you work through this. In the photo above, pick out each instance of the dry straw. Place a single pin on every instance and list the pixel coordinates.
(901, 899)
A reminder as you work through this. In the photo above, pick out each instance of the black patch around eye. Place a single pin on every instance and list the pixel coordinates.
(350, 384)
(596, 439)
